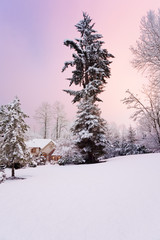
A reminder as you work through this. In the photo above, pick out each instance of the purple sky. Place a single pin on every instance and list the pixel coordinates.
(32, 52)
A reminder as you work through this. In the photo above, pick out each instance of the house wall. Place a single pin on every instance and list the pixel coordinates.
(55, 157)
(34, 151)
(49, 148)
(47, 151)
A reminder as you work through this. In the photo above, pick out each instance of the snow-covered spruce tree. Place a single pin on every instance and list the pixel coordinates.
(91, 62)
(89, 129)
(131, 135)
(13, 128)
(91, 69)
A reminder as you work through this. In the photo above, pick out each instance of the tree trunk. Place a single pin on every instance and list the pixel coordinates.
(13, 170)
(45, 128)
(57, 135)
(91, 158)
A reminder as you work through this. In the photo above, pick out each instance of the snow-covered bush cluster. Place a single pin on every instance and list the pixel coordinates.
(37, 161)
(2, 176)
(2, 172)
(121, 144)
(125, 148)
(68, 151)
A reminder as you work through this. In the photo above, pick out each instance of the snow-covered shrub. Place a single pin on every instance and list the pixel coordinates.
(41, 160)
(132, 149)
(2, 173)
(33, 163)
(125, 148)
(65, 160)
(124, 143)
(68, 151)
(78, 159)
(74, 159)
(2, 176)
(37, 161)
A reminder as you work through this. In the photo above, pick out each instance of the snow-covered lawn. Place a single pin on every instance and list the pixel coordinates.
(116, 200)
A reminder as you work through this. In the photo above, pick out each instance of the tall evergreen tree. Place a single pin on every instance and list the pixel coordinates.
(91, 70)
(91, 62)
(13, 128)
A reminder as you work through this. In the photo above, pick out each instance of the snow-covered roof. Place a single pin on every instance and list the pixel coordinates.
(40, 143)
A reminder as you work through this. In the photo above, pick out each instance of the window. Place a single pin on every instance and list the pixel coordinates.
(33, 150)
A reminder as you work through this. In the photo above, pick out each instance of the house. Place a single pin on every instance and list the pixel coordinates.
(56, 156)
(38, 147)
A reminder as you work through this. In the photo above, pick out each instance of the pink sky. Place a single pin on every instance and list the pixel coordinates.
(32, 52)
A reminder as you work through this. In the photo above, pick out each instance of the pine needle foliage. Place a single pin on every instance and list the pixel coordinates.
(90, 61)
(90, 129)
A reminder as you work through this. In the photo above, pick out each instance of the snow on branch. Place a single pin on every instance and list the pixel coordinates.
(72, 45)
(66, 64)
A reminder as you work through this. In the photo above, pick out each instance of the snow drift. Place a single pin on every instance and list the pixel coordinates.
(116, 200)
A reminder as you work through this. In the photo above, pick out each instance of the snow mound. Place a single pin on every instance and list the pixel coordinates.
(116, 200)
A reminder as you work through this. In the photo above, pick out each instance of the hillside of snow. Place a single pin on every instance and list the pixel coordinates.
(116, 200)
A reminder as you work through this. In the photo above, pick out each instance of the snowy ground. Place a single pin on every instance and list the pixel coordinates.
(116, 200)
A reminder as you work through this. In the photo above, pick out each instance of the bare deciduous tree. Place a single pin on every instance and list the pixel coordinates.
(147, 50)
(60, 121)
(147, 112)
(44, 116)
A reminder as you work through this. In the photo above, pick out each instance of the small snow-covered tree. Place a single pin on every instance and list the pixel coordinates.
(130, 144)
(91, 70)
(131, 137)
(13, 129)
